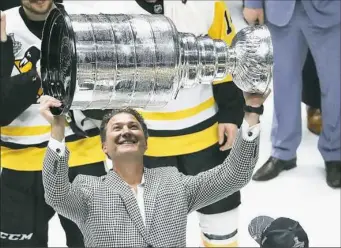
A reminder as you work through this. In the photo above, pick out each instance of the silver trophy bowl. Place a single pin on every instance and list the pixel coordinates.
(108, 61)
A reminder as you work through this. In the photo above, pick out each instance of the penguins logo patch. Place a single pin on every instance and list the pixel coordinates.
(29, 61)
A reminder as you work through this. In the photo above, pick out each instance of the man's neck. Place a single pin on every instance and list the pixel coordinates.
(130, 171)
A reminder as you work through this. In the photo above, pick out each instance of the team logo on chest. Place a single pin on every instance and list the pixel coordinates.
(29, 61)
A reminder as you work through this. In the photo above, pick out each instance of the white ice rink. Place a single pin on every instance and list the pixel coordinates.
(301, 194)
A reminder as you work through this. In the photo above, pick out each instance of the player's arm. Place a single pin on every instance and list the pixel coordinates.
(228, 96)
(7, 56)
(17, 94)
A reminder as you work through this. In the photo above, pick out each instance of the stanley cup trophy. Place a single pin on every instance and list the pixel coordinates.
(108, 61)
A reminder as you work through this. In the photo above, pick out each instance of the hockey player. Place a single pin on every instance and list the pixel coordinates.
(25, 134)
(199, 126)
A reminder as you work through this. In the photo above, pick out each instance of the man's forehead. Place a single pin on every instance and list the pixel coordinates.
(123, 118)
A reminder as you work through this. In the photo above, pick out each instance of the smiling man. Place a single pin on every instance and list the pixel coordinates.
(133, 206)
(206, 116)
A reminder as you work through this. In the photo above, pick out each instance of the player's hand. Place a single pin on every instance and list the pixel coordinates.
(230, 130)
(46, 103)
(253, 16)
(3, 32)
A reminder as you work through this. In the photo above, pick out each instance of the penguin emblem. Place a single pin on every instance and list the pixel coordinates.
(30, 59)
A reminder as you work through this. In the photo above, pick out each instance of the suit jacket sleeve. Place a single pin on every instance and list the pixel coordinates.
(228, 96)
(253, 4)
(67, 199)
(234, 173)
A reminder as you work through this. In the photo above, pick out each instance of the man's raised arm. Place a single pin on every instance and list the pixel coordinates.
(68, 199)
(235, 172)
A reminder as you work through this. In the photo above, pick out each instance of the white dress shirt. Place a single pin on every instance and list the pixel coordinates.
(139, 198)
(249, 134)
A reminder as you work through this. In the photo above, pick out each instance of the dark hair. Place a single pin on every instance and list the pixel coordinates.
(133, 112)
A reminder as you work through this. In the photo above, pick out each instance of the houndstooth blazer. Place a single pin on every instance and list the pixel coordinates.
(106, 211)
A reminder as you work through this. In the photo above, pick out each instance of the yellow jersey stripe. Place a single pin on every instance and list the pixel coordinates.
(178, 115)
(26, 131)
(84, 151)
(183, 144)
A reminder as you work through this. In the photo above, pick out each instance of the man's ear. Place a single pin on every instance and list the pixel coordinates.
(104, 147)
(105, 150)
(146, 145)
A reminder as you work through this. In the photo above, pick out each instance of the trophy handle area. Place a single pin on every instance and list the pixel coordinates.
(59, 59)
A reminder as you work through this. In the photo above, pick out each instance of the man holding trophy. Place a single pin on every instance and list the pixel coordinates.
(107, 61)
(139, 61)
(133, 206)
(200, 125)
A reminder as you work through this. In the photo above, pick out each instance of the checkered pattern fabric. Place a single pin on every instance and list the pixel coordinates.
(106, 210)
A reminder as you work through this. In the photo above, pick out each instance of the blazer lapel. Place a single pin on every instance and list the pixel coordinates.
(130, 202)
(152, 181)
